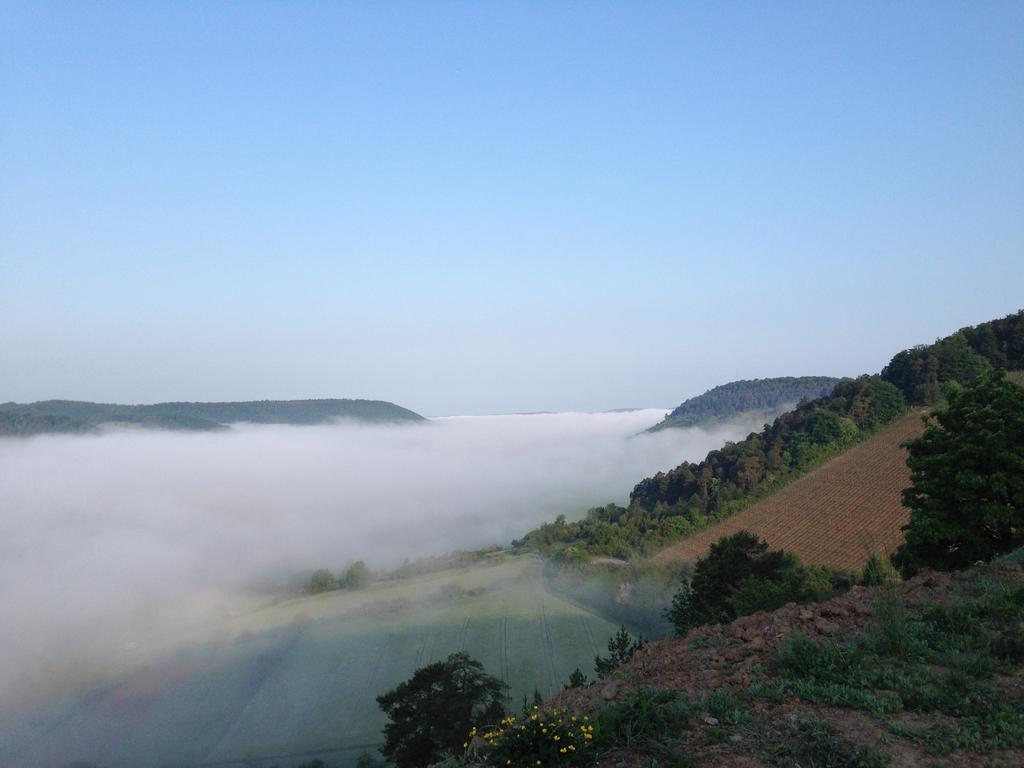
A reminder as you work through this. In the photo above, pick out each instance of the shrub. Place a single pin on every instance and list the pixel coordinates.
(621, 647)
(577, 679)
(322, 580)
(877, 573)
(540, 738)
(643, 719)
(813, 742)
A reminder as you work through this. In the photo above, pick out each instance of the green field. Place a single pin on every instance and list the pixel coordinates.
(298, 680)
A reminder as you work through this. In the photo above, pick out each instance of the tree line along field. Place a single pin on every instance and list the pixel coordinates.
(299, 679)
(837, 514)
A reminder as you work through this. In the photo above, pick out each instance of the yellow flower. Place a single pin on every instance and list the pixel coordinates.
(533, 717)
(587, 736)
(508, 762)
(465, 744)
(558, 738)
(562, 750)
(543, 730)
(572, 747)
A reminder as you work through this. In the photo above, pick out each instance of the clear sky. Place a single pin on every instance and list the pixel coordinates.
(492, 207)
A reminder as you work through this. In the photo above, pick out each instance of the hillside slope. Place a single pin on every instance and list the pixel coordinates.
(837, 514)
(927, 673)
(766, 397)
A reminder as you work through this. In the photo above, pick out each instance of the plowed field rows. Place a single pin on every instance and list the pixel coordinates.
(837, 514)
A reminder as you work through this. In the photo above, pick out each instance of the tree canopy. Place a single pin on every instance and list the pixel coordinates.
(966, 496)
(430, 714)
(741, 575)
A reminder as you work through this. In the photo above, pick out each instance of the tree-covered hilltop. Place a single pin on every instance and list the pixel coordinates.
(736, 398)
(923, 372)
(71, 416)
(688, 498)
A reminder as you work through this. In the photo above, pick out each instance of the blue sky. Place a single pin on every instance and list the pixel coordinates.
(490, 207)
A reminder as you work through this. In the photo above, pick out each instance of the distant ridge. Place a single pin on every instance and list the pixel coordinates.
(767, 397)
(72, 416)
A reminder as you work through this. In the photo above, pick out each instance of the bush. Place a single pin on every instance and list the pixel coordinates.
(538, 739)
(322, 580)
(813, 742)
(621, 647)
(877, 573)
(645, 718)
(577, 680)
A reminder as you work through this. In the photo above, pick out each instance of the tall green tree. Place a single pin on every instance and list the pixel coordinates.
(966, 496)
(430, 714)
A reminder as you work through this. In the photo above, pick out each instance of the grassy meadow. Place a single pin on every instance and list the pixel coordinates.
(298, 679)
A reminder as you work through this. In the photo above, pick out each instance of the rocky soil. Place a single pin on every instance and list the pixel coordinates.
(734, 657)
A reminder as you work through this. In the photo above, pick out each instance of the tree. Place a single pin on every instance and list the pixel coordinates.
(356, 575)
(431, 713)
(680, 612)
(322, 580)
(739, 576)
(966, 496)
(621, 647)
(577, 679)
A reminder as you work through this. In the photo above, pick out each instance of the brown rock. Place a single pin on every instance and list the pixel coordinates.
(805, 615)
(826, 627)
(609, 691)
(756, 643)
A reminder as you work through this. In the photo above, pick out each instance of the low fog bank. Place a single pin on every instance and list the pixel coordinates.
(108, 539)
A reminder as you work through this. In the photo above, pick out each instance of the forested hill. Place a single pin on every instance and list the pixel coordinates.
(748, 395)
(71, 416)
(674, 504)
(923, 372)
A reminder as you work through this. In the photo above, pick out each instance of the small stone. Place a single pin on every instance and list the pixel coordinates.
(609, 691)
(806, 615)
(735, 738)
(711, 720)
(756, 644)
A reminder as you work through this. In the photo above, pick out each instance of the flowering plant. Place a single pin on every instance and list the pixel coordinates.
(538, 740)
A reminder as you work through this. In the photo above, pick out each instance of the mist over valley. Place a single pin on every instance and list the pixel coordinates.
(134, 536)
